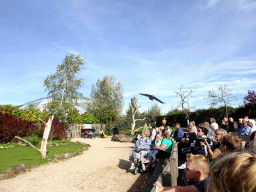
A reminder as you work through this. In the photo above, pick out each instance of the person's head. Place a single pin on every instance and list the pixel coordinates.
(190, 129)
(197, 167)
(231, 142)
(225, 119)
(145, 134)
(240, 120)
(251, 122)
(212, 120)
(165, 134)
(219, 134)
(205, 125)
(159, 137)
(177, 125)
(153, 127)
(245, 120)
(201, 131)
(192, 123)
(231, 119)
(234, 172)
(246, 117)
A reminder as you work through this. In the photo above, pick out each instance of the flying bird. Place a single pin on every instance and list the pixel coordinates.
(151, 97)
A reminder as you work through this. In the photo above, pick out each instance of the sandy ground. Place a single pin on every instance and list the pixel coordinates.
(104, 167)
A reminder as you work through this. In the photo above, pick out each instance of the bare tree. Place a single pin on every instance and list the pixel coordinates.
(184, 103)
(47, 130)
(223, 95)
(134, 111)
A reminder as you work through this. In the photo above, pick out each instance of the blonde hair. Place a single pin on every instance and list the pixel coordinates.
(200, 163)
(159, 137)
(234, 172)
(233, 142)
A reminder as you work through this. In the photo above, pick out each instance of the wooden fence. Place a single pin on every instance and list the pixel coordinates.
(76, 128)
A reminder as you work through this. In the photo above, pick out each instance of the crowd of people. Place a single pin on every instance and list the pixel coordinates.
(212, 156)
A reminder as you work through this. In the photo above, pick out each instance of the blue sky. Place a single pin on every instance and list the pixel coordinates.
(152, 46)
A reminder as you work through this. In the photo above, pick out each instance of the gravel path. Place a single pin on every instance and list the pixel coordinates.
(104, 167)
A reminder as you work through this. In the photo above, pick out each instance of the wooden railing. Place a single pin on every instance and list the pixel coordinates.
(166, 171)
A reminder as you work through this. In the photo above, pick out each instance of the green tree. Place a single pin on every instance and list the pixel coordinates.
(63, 86)
(106, 102)
(152, 113)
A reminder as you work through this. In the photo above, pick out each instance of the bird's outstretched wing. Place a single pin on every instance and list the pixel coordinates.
(158, 99)
(146, 95)
(151, 97)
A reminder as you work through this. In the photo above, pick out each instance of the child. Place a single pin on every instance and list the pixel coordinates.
(154, 152)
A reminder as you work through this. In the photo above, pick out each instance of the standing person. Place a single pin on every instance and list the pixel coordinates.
(197, 170)
(214, 126)
(234, 172)
(179, 133)
(232, 125)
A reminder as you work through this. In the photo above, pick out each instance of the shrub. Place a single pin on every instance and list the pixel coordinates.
(11, 126)
(33, 139)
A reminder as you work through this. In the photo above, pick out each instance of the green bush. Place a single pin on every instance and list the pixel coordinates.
(33, 139)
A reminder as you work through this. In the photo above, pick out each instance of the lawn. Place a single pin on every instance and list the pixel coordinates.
(19, 154)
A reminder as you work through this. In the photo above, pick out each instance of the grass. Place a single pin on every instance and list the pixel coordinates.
(10, 157)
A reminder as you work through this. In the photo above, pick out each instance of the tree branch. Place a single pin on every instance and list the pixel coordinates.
(17, 137)
(41, 120)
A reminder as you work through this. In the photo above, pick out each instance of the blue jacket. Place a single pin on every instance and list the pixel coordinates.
(178, 134)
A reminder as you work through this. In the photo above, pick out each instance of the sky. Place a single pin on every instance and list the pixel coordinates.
(152, 47)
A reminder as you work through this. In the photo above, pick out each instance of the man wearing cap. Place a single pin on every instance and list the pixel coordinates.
(244, 129)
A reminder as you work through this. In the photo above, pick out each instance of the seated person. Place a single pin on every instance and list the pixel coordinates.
(229, 143)
(197, 147)
(141, 148)
(234, 172)
(165, 149)
(197, 170)
(152, 155)
(178, 134)
(187, 139)
(245, 128)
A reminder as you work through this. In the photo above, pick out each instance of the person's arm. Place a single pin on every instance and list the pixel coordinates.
(190, 188)
(213, 154)
(161, 148)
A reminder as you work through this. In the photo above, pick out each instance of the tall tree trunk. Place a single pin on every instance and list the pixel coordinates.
(45, 137)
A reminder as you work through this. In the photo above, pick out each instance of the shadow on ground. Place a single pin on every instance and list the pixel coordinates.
(142, 180)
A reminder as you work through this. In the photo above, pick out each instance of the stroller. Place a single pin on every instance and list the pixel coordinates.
(139, 166)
